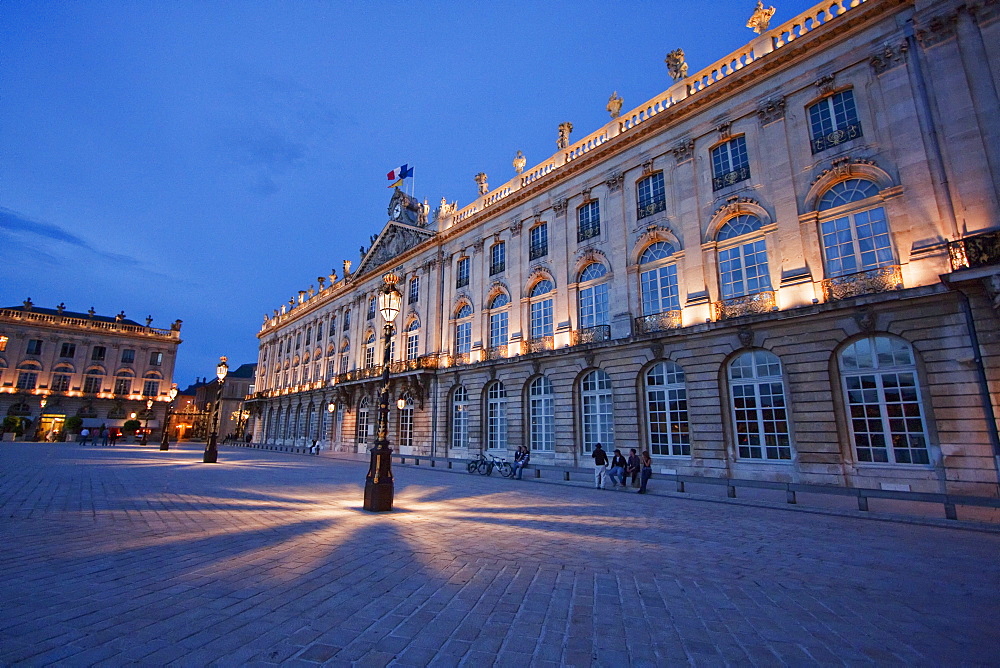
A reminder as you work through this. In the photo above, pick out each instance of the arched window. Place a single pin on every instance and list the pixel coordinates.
(743, 260)
(541, 415)
(92, 380)
(882, 395)
(460, 418)
(760, 418)
(345, 349)
(151, 383)
(413, 340)
(27, 377)
(406, 421)
(463, 330)
(370, 350)
(61, 376)
(496, 416)
(658, 279)
(541, 309)
(597, 411)
(593, 300)
(123, 381)
(855, 238)
(667, 410)
(499, 324)
(362, 429)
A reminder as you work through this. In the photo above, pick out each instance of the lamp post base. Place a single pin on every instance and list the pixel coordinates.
(379, 487)
(211, 450)
(164, 444)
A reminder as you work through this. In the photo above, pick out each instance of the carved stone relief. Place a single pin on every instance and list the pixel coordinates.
(888, 57)
(683, 150)
(771, 110)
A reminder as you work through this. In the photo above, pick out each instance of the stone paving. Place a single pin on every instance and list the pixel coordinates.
(129, 555)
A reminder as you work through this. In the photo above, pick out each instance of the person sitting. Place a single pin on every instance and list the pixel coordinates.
(617, 472)
(521, 459)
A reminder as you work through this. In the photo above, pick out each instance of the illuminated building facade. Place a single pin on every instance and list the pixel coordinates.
(783, 267)
(99, 368)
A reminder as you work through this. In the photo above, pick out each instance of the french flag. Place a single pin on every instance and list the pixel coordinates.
(400, 173)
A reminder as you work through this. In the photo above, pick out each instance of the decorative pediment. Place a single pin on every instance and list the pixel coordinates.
(395, 240)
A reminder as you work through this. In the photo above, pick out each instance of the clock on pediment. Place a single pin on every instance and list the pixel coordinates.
(403, 208)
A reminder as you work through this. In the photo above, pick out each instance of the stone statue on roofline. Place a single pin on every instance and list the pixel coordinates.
(676, 65)
(615, 105)
(519, 162)
(760, 18)
(564, 131)
(484, 187)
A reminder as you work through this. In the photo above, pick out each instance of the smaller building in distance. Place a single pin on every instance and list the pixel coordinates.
(235, 420)
(56, 364)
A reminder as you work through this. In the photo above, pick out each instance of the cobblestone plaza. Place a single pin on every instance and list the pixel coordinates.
(132, 555)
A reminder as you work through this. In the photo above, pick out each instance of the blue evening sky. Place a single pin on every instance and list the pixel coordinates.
(207, 160)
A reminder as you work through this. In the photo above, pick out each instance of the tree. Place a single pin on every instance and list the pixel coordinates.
(73, 424)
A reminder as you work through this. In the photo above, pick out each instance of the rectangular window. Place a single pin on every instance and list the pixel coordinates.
(541, 319)
(92, 384)
(347, 320)
(498, 329)
(463, 338)
(60, 382)
(123, 386)
(659, 290)
(744, 270)
(333, 327)
(34, 346)
(412, 345)
(538, 241)
(589, 220)
(369, 357)
(414, 295)
(594, 306)
(406, 427)
(67, 350)
(99, 353)
(833, 120)
(652, 195)
(498, 257)
(309, 335)
(730, 163)
(128, 356)
(319, 332)
(26, 380)
(462, 273)
(372, 307)
(343, 363)
(150, 388)
(155, 359)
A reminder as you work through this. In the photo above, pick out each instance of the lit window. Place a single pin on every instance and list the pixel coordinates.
(155, 359)
(760, 417)
(541, 310)
(26, 380)
(667, 410)
(406, 422)
(833, 120)
(362, 429)
(882, 395)
(596, 409)
(60, 382)
(730, 163)
(463, 330)
(413, 340)
(651, 195)
(498, 321)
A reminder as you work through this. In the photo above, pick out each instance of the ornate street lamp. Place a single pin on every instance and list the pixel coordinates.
(330, 408)
(212, 449)
(38, 430)
(378, 482)
(145, 430)
(165, 441)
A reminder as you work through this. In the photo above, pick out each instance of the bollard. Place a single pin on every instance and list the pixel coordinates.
(680, 485)
(566, 475)
(863, 503)
(449, 463)
(538, 473)
(950, 512)
(730, 491)
(790, 496)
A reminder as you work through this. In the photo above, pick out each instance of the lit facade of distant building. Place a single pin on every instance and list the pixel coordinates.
(784, 267)
(101, 369)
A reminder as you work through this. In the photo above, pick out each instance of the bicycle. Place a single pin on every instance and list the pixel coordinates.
(484, 466)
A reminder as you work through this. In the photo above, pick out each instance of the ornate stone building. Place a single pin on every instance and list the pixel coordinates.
(783, 267)
(99, 368)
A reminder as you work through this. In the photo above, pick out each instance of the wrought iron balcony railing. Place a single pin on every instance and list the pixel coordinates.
(760, 302)
(976, 251)
(540, 344)
(882, 279)
(658, 322)
(649, 208)
(838, 136)
(729, 178)
(592, 334)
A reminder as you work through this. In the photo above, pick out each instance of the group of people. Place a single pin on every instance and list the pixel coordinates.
(620, 468)
(104, 435)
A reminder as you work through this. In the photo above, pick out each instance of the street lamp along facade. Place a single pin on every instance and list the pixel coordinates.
(379, 488)
(165, 440)
(212, 448)
(145, 429)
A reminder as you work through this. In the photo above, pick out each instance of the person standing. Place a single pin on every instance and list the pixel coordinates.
(114, 436)
(84, 436)
(104, 435)
(632, 467)
(617, 472)
(600, 466)
(646, 463)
